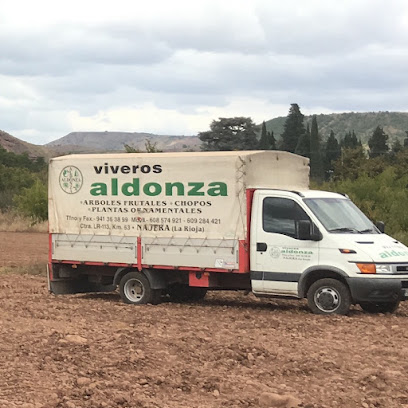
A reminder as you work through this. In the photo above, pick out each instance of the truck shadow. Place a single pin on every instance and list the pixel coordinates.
(239, 301)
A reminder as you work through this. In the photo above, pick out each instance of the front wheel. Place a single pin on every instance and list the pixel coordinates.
(329, 296)
(380, 307)
(134, 288)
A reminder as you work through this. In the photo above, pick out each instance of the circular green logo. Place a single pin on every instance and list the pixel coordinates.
(71, 179)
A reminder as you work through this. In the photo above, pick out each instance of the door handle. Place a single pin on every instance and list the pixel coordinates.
(261, 246)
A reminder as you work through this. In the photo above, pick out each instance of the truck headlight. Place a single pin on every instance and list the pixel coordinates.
(383, 268)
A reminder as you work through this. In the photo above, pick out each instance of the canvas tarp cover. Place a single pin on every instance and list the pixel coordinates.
(197, 195)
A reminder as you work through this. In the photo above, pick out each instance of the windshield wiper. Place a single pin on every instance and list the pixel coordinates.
(345, 229)
(364, 231)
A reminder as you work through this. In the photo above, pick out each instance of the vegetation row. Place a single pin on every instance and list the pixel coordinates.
(373, 174)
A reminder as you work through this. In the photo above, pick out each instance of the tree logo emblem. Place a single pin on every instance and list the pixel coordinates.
(71, 179)
(275, 252)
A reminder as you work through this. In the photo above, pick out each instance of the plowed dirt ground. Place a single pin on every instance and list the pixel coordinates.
(229, 350)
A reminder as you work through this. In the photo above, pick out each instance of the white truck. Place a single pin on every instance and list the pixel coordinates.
(179, 224)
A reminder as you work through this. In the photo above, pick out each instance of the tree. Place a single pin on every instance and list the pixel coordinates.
(33, 201)
(316, 159)
(349, 165)
(229, 134)
(149, 146)
(267, 140)
(263, 141)
(332, 152)
(350, 141)
(406, 140)
(396, 147)
(271, 140)
(293, 128)
(378, 143)
(303, 146)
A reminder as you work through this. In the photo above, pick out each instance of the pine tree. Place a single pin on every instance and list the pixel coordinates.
(332, 153)
(293, 128)
(316, 162)
(378, 143)
(271, 141)
(406, 140)
(303, 146)
(396, 147)
(354, 140)
(350, 164)
(263, 141)
(350, 141)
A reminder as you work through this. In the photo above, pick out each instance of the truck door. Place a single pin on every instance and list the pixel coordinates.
(278, 256)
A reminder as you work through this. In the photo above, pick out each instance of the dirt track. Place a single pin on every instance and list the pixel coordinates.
(228, 351)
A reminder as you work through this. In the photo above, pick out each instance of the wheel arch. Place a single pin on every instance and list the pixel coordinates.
(311, 275)
(156, 278)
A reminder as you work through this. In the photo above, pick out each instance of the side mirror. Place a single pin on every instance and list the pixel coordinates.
(306, 231)
(304, 228)
(381, 226)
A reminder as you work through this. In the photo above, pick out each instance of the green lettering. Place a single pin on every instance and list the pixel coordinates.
(133, 188)
(195, 189)
(152, 189)
(114, 186)
(179, 187)
(219, 189)
(98, 189)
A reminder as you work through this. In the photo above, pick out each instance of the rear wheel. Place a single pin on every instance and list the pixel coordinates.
(329, 296)
(380, 307)
(134, 288)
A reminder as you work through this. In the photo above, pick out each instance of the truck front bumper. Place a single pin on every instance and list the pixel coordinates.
(378, 289)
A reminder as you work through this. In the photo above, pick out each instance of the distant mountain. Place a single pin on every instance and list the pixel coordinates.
(395, 124)
(12, 144)
(84, 142)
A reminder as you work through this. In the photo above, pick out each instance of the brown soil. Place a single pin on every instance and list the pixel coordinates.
(230, 350)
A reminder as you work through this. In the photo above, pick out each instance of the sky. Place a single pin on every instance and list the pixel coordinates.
(172, 67)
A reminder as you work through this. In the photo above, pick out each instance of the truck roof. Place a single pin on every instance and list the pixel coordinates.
(276, 153)
(320, 194)
(309, 193)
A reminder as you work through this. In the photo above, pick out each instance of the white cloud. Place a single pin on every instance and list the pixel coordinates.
(173, 67)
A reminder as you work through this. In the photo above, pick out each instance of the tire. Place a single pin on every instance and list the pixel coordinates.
(380, 307)
(329, 296)
(184, 293)
(134, 288)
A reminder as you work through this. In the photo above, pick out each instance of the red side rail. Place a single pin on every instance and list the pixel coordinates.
(243, 252)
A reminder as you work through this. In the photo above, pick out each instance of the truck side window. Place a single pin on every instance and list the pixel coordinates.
(280, 215)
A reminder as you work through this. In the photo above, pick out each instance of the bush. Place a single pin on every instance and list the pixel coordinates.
(33, 201)
(383, 197)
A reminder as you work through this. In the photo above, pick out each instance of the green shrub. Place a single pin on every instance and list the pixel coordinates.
(33, 201)
(383, 197)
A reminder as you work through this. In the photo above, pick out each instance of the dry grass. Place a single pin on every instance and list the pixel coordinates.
(32, 269)
(12, 222)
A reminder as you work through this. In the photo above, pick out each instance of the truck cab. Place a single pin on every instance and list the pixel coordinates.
(319, 245)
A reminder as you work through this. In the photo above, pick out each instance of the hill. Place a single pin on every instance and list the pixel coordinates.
(12, 144)
(395, 124)
(85, 142)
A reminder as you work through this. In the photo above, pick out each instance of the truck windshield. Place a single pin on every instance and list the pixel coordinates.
(339, 215)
